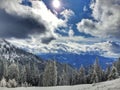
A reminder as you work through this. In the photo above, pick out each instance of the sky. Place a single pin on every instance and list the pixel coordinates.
(62, 26)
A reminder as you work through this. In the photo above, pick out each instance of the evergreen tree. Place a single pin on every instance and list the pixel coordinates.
(50, 74)
(1, 69)
(35, 75)
(3, 82)
(113, 74)
(82, 75)
(64, 78)
(97, 72)
(12, 83)
(117, 65)
(94, 78)
(74, 78)
(28, 73)
(89, 74)
(55, 73)
(13, 71)
(23, 76)
(5, 71)
(107, 73)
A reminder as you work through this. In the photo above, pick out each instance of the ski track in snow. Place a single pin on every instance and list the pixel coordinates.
(108, 85)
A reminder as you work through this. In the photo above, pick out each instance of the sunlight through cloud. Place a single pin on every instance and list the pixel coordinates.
(56, 3)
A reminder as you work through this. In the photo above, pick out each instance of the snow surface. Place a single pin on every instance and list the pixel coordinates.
(108, 85)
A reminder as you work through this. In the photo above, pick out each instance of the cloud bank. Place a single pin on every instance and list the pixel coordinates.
(106, 19)
(20, 21)
(75, 45)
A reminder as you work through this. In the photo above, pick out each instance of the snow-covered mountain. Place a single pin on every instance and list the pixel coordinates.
(108, 85)
(76, 60)
(11, 53)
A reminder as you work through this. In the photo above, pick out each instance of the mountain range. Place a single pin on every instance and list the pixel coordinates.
(76, 60)
(11, 53)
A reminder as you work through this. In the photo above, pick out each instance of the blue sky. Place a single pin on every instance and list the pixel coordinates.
(76, 26)
(77, 6)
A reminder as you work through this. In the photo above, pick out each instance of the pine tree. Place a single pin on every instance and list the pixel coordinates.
(117, 65)
(50, 74)
(64, 78)
(28, 73)
(5, 72)
(74, 78)
(97, 72)
(94, 78)
(3, 82)
(1, 69)
(89, 74)
(12, 83)
(82, 76)
(23, 76)
(55, 73)
(35, 75)
(25, 84)
(107, 73)
(113, 74)
(13, 71)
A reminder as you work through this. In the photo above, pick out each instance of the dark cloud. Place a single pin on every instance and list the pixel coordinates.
(47, 40)
(19, 27)
(31, 20)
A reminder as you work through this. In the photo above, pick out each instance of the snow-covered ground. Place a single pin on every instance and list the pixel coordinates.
(108, 85)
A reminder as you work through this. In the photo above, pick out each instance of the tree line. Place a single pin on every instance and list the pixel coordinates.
(14, 74)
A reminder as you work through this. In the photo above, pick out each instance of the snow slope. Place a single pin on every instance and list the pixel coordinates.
(108, 85)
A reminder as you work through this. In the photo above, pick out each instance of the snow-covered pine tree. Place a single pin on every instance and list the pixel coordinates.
(28, 73)
(89, 73)
(13, 71)
(35, 75)
(97, 72)
(82, 75)
(64, 77)
(25, 84)
(50, 74)
(1, 69)
(117, 65)
(107, 72)
(113, 74)
(5, 71)
(74, 78)
(11, 83)
(23, 72)
(55, 73)
(94, 78)
(3, 82)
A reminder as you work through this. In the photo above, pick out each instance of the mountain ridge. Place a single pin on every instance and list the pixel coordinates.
(12, 53)
(76, 60)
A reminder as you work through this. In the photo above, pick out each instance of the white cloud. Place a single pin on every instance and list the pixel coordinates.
(67, 13)
(38, 13)
(76, 45)
(85, 9)
(107, 19)
(71, 33)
